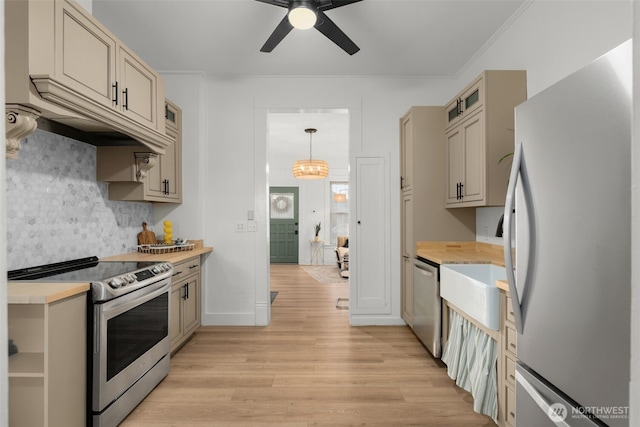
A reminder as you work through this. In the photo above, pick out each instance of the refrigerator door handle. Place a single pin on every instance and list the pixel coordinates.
(540, 400)
(508, 251)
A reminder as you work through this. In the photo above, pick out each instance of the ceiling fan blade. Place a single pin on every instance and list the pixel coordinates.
(327, 27)
(335, 3)
(281, 3)
(283, 28)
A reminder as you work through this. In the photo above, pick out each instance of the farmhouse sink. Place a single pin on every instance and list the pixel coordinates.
(472, 288)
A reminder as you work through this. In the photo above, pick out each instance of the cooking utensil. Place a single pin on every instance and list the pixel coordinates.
(146, 237)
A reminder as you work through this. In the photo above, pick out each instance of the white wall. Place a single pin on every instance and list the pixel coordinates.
(231, 149)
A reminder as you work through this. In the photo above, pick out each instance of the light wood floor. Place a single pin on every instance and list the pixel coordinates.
(307, 368)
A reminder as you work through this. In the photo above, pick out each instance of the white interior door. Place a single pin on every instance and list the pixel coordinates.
(372, 287)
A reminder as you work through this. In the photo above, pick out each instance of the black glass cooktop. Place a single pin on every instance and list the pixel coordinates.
(80, 270)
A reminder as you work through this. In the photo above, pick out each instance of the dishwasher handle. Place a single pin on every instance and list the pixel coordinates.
(425, 272)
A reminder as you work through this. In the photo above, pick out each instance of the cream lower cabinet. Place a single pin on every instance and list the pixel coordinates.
(135, 174)
(507, 364)
(479, 131)
(408, 251)
(47, 377)
(184, 302)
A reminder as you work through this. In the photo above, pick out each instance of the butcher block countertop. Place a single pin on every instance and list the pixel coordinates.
(25, 292)
(502, 284)
(42, 292)
(461, 253)
(172, 257)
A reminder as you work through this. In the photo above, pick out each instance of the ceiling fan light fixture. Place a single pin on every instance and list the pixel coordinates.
(302, 15)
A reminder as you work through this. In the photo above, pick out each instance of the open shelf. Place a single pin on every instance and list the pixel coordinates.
(26, 365)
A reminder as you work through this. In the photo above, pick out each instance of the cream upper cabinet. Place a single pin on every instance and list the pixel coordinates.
(85, 53)
(468, 101)
(466, 168)
(479, 131)
(64, 65)
(134, 174)
(139, 90)
(165, 180)
(98, 65)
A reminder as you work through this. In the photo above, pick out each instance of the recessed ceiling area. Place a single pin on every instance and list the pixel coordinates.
(223, 37)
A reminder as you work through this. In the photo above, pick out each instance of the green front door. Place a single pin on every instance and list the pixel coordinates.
(283, 214)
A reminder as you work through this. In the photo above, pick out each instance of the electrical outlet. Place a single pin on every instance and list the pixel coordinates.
(240, 227)
(252, 226)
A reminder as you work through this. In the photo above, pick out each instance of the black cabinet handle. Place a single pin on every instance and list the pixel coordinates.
(165, 187)
(461, 185)
(115, 86)
(126, 98)
(186, 291)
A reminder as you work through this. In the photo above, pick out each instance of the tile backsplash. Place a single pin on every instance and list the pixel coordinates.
(57, 211)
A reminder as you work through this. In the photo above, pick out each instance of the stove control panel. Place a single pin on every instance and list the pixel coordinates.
(139, 276)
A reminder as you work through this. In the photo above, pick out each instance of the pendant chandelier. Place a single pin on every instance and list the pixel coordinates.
(339, 197)
(310, 169)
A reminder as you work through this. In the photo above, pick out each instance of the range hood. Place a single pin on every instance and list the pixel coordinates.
(67, 74)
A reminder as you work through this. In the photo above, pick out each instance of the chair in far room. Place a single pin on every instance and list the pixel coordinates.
(342, 254)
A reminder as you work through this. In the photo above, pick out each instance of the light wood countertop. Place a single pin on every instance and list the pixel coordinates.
(24, 292)
(502, 285)
(42, 292)
(461, 252)
(172, 257)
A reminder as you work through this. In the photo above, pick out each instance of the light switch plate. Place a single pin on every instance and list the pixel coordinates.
(241, 227)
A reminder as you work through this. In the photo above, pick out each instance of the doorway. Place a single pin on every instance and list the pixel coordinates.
(283, 225)
(287, 142)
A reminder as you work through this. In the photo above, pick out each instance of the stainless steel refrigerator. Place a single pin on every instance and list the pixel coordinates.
(570, 197)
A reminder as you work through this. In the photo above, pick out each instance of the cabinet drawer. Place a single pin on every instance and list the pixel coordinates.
(510, 371)
(186, 268)
(510, 406)
(510, 343)
(510, 317)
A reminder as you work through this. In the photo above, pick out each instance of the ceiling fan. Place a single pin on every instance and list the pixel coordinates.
(304, 14)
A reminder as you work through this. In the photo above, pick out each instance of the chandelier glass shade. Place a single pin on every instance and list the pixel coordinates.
(339, 197)
(310, 168)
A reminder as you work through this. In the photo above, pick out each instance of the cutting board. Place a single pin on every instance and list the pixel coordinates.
(146, 237)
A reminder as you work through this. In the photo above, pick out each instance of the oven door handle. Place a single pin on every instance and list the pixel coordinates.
(126, 302)
(112, 308)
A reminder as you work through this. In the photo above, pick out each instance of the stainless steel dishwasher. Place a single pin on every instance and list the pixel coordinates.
(427, 305)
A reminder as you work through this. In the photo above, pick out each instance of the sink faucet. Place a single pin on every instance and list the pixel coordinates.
(499, 229)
